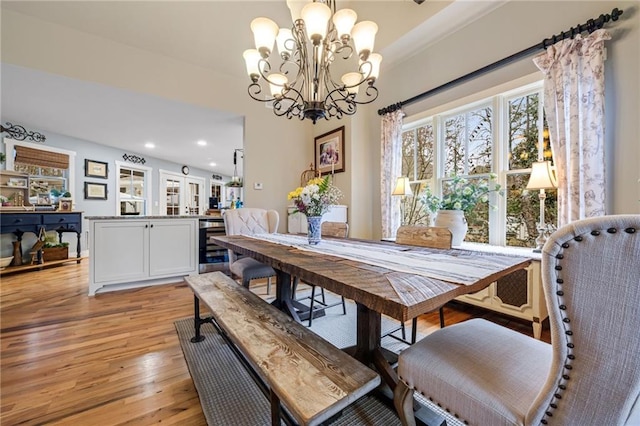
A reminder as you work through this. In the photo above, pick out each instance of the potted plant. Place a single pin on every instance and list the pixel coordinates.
(53, 249)
(461, 196)
(314, 200)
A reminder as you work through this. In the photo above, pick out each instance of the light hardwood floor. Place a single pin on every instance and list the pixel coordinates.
(112, 359)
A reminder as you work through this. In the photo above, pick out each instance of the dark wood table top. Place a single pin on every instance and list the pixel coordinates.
(400, 295)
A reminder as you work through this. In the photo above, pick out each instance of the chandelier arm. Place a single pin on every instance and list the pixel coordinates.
(344, 47)
(257, 89)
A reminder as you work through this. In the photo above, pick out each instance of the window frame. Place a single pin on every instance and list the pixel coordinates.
(148, 184)
(498, 99)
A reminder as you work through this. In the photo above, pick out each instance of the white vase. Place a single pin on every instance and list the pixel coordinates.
(455, 221)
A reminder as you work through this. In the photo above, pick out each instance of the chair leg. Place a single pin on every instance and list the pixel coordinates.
(313, 297)
(441, 311)
(324, 301)
(294, 286)
(344, 306)
(414, 330)
(403, 401)
(268, 285)
(403, 331)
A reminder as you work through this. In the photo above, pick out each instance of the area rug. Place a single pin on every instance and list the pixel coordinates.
(229, 396)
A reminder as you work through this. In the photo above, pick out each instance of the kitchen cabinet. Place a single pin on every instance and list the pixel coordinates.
(133, 252)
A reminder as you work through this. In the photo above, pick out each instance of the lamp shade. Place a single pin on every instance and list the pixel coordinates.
(542, 176)
(352, 80)
(316, 16)
(402, 187)
(252, 59)
(277, 83)
(344, 19)
(264, 34)
(364, 36)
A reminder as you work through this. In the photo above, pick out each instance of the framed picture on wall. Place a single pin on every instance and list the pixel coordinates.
(95, 191)
(98, 169)
(329, 152)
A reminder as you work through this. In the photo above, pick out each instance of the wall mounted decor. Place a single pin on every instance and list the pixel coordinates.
(134, 159)
(95, 191)
(97, 169)
(329, 152)
(19, 133)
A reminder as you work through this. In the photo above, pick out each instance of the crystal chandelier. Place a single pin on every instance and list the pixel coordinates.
(299, 81)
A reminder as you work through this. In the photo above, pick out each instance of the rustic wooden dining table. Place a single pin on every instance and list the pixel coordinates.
(406, 281)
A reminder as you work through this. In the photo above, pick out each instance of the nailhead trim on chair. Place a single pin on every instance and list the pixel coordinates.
(568, 332)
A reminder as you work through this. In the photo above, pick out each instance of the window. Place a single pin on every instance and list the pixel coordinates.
(50, 170)
(503, 134)
(134, 189)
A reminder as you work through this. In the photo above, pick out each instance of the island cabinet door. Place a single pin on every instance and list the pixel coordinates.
(173, 246)
(120, 250)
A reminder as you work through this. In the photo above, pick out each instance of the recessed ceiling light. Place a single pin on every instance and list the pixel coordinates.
(202, 143)
(212, 164)
(149, 145)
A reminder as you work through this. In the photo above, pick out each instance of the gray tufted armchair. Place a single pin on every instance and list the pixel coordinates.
(486, 374)
(250, 221)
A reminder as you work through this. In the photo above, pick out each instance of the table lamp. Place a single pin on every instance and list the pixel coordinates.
(402, 189)
(542, 177)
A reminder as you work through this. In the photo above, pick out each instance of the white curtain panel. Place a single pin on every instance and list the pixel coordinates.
(574, 107)
(390, 169)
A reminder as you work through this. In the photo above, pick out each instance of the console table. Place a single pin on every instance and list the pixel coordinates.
(18, 223)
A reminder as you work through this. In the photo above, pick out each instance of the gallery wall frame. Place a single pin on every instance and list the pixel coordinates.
(95, 191)
(97, 169)
(329, 152)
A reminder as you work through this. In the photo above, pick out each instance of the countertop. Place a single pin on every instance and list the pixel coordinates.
(138, 217)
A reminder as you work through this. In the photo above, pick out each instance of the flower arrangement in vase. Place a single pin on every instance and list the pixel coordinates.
(461, 196)
(314, 200)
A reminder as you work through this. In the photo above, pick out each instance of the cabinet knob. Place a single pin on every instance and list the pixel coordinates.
(17, 221)
(152, 225)
(146, 226)
(61, 219)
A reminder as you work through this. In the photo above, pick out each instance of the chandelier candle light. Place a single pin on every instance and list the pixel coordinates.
(542, 177)
(299, 79)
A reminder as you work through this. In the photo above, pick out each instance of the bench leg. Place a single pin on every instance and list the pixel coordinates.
(275, 408)
(197, 321)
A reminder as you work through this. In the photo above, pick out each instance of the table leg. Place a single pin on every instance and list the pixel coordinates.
(283, 300)
(368, 349)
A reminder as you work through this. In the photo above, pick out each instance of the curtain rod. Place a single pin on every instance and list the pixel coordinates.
(591, 25)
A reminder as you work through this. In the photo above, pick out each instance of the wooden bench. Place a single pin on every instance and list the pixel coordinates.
(311, 378)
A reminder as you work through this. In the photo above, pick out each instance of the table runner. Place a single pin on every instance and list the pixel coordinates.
(455, 266)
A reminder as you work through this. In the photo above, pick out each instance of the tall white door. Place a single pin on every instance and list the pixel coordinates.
(181, 195)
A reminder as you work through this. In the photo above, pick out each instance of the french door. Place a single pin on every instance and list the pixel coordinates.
(181, 195)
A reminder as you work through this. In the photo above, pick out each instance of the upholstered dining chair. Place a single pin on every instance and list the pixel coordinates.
(422, 236)
(327, 229)
(250, 221)
(486, 374)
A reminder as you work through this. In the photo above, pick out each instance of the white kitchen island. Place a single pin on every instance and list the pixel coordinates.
(135, 251)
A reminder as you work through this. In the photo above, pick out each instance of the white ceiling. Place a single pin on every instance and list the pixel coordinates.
(199, 33)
